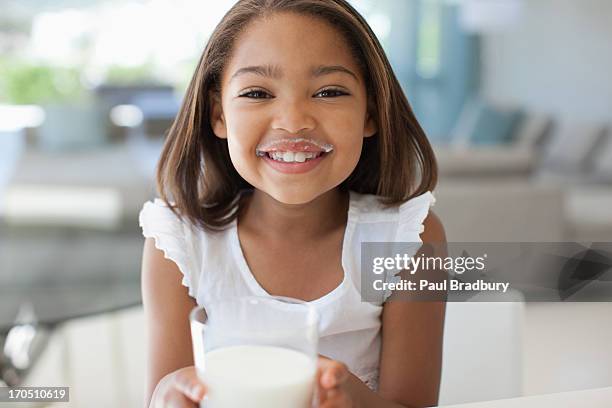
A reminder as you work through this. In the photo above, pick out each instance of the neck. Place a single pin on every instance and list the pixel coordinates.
(262, 213)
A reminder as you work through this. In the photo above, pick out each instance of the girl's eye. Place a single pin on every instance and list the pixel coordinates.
(255, 94)
(331, 93)
(260, 94)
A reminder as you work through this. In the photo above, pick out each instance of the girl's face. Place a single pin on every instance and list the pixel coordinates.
(292, 77)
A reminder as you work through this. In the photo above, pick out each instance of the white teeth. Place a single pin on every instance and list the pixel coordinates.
(298, 157)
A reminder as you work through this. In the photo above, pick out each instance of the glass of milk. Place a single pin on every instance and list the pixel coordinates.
(256, 352)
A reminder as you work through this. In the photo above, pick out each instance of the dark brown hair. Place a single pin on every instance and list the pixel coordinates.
(195, 173)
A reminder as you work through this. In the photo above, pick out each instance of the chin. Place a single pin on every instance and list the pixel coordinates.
(287, 196)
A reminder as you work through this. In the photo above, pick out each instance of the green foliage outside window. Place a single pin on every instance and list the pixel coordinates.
(130, 75)
(29, 83)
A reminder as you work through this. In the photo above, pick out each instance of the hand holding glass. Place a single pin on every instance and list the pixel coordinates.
(256, 352)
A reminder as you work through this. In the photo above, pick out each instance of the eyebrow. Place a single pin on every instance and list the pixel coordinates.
(271, 71)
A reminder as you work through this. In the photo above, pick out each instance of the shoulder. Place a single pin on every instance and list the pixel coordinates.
(370, 208)
(433, 230)
(412, 216)
(178, 240)
(158, 209)
(158, 214)
(170, 231)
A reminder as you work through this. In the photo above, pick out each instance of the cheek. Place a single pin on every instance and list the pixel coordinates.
(345, 129)
(244, 130)
(346, 116)
(242, 156)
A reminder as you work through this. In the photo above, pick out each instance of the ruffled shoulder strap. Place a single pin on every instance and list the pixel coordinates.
(175, 238)
(412, 214)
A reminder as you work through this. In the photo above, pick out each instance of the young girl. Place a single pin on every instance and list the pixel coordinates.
(294, 144)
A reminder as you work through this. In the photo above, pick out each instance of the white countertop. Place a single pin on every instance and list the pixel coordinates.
(594, 398)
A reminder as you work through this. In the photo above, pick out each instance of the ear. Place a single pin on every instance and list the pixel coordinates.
(370, 127)
(217, 120)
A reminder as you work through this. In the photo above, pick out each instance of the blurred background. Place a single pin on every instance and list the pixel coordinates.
(514, 94)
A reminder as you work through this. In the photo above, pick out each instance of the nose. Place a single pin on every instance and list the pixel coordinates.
(293, 117)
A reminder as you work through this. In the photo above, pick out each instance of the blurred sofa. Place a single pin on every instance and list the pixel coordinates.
(500, 211)
(552, 179)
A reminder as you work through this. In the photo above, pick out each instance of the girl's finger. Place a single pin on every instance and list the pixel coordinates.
(187, 383)
(322, 396)
(336, 398)
(175, 399)
(334, 374)
(321, 392)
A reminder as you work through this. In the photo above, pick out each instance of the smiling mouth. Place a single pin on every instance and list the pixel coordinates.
(291, 157)
(293, 150)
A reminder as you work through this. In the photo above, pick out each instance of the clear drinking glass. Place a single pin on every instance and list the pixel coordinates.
(256, 352)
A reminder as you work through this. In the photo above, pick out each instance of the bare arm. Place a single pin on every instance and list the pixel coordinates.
(411, 359)
(166, 307)
(411, 352)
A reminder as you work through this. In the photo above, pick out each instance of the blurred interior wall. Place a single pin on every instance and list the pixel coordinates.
(556, 60)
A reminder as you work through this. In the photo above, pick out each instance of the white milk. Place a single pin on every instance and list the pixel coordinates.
(258, 377)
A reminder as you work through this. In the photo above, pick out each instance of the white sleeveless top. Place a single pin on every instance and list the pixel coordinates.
(213, 266)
